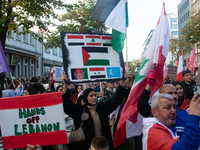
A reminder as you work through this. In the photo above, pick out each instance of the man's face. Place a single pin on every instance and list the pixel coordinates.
(72, 86)
(50, 83)
(166, 112)
(187, 77)
(170, 89)
(111, 84)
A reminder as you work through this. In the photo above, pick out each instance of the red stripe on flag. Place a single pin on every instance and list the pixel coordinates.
(179, 76)
(106, 38)
(97, 69)
(31, 101)
(45, 138)
(94, 44)
(75, 37)
(79, 74)
(130, 111)
(92, 36)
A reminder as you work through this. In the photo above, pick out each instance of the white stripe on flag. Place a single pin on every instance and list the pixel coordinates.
(117, 18)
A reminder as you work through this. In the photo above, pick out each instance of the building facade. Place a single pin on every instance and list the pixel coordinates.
(51, 58)
(28, 57)
(24, 55)
(184, 11)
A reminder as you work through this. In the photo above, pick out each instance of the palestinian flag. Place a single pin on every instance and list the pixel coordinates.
(131, 122)
(113, 13)
(90, 55)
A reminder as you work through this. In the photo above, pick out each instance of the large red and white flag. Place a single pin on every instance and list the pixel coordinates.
(179, 76)
(177, 62)
(191, 61)
(131, 122)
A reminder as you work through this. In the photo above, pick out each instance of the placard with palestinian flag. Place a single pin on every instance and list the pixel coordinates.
(90, 57)
(34, 119)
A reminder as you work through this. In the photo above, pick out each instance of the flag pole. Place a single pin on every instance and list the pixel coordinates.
(126, 50)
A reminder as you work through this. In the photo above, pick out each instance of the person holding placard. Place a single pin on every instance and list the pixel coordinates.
(93, 114)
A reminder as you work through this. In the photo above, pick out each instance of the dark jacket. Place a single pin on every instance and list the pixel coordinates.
(188, 89)
(103, 110)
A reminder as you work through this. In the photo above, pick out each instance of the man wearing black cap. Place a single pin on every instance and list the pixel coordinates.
(188, 83)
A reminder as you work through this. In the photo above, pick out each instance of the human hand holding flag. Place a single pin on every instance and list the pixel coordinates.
(131, 123)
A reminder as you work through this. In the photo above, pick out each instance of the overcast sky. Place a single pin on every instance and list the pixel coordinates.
(143, 16)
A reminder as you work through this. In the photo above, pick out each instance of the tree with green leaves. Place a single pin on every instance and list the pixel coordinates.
(77, 19)
(175, 46)
(192, 30)
(133, 64)
(26, 14)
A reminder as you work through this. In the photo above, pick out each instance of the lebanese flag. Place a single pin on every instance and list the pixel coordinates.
(51, 73)
(177, 62)
(131, 122)
(165, 70)
(179, 76)
(191, 61)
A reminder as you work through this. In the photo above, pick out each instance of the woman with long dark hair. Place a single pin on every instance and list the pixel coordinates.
(183, 101)
(94, 115)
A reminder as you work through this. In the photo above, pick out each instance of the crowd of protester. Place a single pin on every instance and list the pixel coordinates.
(176, 109)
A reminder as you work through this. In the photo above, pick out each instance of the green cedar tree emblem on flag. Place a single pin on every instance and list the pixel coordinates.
(138, 77)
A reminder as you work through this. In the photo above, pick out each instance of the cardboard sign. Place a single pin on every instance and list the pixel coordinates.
(57, 73)
(172, 71)
(33, 119)
(90, 58)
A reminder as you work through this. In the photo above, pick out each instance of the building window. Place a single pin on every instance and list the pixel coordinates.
(31, 40)
(54, 51)
(25, 67)
(12, 34)
(47, 51)
(174, 33)
(174, 20)
(31, 68)
(18, 36)
(174, 26)
(25, 38)
(60, 53)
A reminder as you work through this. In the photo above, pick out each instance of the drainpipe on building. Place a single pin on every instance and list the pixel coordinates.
(42, 73)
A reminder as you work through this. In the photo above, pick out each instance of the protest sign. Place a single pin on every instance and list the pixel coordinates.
(90, 58)
(57, 73)
(34, 119)
(172, 71)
